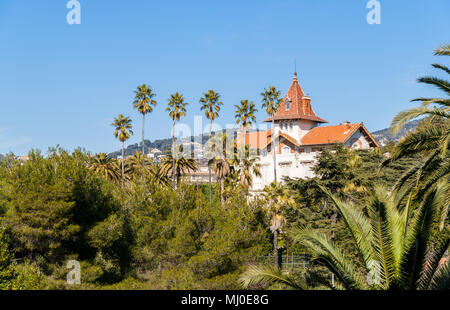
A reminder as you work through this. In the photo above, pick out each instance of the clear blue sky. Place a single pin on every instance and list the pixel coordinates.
(63, 84)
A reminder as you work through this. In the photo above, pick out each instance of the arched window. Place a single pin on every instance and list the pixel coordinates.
(286, 150)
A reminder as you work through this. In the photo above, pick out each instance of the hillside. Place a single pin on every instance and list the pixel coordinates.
(161, 144)
(383, 136)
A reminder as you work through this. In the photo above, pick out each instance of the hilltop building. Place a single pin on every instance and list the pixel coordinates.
(154, 154)
(299, 137)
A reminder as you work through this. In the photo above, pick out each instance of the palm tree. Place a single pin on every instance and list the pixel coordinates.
(176, 109)
(248, 166)
(182, 165)
(271, 101)
(220, 162)
(431, 138)
(276, 196)
(211, 104)
(437, 133)
(231, 182)
(143, 102)
(105, 166)
(157, 176)
(395, 247)
(123, 131)
(134, 163)
(245, 115)
(352, 163)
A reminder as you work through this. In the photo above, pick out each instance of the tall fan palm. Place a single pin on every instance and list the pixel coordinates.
(144, 103)
(105, 166)
(219, 144)
(123, 131)
(276, 196)
(271, 102)
(211, 104)
(394, 246)
(245, 116)
(176, 109)
(180, 164)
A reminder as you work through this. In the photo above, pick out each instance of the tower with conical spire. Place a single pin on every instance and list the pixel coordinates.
(298, 138)
(295, 115)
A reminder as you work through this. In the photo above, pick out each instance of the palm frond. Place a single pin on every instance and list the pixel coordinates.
(327, 254)
(418, 234)
(439, 83)
(423, 139)
(405, 116)
(357, 223)
(420, 166)
(441, 281)
(428, 101)
(431, 265)
(255, 275)
(441, 67)
(443, 50)
(382, 236)
(437, 174)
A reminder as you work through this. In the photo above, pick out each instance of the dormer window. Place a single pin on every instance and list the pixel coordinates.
(288, 104)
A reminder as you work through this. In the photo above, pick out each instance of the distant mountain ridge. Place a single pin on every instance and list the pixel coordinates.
(160, 144)
(382, 136)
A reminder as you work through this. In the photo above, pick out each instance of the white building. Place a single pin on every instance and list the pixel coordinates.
(154, 154)
(299, 137)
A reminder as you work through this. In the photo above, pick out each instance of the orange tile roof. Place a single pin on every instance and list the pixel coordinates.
(256, 139)
(300, 105)
(316, 136)
(335, 134)
(286, 136)
(261, 139)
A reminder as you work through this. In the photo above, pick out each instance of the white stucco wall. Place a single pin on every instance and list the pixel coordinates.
(297, 165)
(292, 165)
(358, 141)
(295, 128)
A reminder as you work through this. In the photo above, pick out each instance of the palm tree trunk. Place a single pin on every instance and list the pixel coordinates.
(241, 164)
(275, 248)
(274, 151)
(178, 175)
(123, 157)
(222, 189)
(143, 145)
(174, 185)
(209, 166)
(333, 223)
